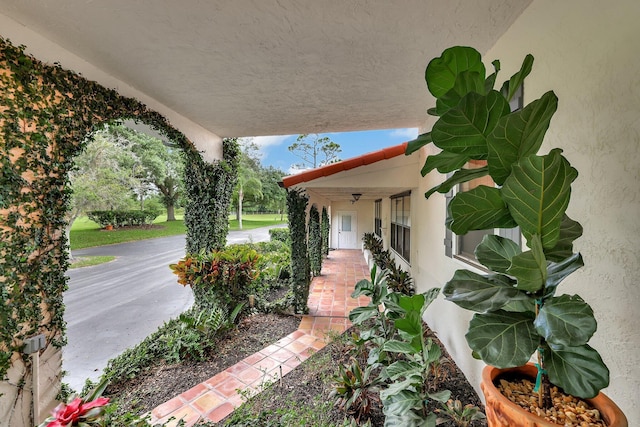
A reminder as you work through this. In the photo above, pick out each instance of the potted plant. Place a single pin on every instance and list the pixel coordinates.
(518, 310)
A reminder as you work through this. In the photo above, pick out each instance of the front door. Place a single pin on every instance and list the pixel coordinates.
(347, 230)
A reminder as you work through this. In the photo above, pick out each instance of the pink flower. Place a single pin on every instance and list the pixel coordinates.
(68, 414)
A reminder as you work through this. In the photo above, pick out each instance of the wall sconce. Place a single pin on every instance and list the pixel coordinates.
(356, 197)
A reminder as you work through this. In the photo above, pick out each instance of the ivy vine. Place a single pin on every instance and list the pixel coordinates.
(325, 227)
(47, 116)
(300, 270)
(315, 241)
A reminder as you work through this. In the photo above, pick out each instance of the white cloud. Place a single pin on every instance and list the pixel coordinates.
(267, 141)
(408, 133)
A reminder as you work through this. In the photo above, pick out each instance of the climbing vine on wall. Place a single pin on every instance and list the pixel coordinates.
(47, 115)
(325, 228)
(300, 272)
(212, 186)
(315, 241)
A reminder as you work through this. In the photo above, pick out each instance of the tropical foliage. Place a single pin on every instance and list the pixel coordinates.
(300, 269)
(49, 115)
(315, 241)
(518, 311)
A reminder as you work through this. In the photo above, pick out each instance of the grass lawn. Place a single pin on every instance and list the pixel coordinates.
(86, 233)
(90, 261)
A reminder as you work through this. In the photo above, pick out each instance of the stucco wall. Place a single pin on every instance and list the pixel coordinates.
(209, 144)
(586, 51)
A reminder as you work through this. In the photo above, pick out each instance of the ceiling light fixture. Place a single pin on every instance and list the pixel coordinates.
(356, 197)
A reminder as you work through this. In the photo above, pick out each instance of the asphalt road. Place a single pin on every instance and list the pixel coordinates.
(111, 307)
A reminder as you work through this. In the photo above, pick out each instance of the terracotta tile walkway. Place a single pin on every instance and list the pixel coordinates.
(329, 305)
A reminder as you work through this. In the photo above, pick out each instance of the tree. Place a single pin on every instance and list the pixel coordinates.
(274, 197)
(249, 183)
(100, 179)
(157, 166)
(314, 151)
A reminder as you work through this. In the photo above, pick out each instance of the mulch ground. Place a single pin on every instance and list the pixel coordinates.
(310, 382)
(163, 381)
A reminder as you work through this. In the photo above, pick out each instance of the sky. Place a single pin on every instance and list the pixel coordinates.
(275, 152)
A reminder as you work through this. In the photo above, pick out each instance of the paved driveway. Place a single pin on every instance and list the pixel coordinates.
(113, 306)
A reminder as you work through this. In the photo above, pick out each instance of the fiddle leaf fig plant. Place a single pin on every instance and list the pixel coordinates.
(518, 312)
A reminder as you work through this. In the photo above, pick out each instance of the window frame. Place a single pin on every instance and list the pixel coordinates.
(377, 218)
(400, 239)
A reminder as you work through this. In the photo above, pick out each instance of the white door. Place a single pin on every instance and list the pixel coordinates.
(347, 230)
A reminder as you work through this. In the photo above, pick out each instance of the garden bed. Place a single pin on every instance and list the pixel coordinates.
(163, 381)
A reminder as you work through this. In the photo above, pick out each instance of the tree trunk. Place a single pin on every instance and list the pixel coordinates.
(171, 214)
(239, 213)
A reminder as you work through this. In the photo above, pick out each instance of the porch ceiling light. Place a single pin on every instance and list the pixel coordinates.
(356, 197)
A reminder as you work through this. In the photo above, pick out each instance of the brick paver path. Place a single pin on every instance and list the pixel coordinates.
(329, 305)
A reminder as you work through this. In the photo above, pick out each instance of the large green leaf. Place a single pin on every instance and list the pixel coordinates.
(503, 339)
(464, 129)
(444, 162)
(495, 252)
(432, 353)
(410, 326)
(441, 73)
(566, 321)
(518, 135)
(490, 82)
(510, 87)
(580, 371)
(570, 230)
(440, 396)
(360, 314)
(402, 369)
(537, 193)
(462, 175)
(466, 81)
(395, 346)
(409, 419)
(478, 293)
(480, 208)
(530, 267)
(399, 401)
(415, 144)
(557, 271)
(411, 303)
(429, 297)
(363, 288)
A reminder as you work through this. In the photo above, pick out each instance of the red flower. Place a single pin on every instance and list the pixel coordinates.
(69, 414)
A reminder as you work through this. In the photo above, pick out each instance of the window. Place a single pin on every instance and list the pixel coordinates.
(401, 224)
(377, 221)
(465, 245)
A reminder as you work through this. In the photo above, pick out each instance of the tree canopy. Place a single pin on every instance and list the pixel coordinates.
(314, 151)
(120, 166)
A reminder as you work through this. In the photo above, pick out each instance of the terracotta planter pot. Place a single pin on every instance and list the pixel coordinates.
(501, 412)
(108, 227)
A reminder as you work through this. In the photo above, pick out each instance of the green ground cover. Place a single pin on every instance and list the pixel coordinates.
(86, 233)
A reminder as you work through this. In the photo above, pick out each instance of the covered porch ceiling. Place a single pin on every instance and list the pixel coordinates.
(268, 67)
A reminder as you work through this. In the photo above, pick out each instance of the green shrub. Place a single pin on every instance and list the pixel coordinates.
(187, 337)
(325, 228)
(118, 218)
(279, 234)
(315, 241)
(301, 276)
(226, 276)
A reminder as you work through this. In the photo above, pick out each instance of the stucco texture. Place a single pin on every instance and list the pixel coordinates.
(586, 51)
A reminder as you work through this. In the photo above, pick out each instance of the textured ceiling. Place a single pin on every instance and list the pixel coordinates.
(269, 67)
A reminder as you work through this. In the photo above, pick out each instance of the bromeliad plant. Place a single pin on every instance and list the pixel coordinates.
(518, 311)
(80, 411)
